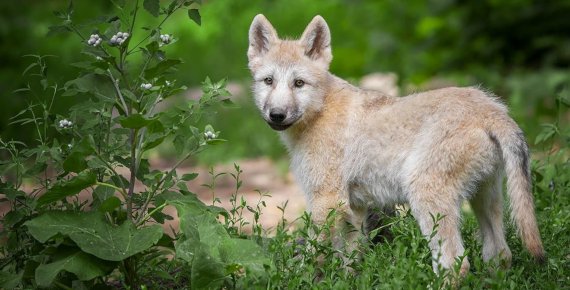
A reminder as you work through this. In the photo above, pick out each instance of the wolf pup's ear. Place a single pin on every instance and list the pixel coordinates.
(317, 41)
(261, 36)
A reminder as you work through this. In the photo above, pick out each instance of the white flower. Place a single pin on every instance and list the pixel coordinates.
(165, 38)
(209, 135)
(94, 40)
(64, 124)
(119, 38)
(146, 86)
(69, 146)
(167, 83)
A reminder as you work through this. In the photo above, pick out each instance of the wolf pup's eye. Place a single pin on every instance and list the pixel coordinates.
(299, 83)
(268, 81)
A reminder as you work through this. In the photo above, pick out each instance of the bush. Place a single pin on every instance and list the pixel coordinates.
(115, 237)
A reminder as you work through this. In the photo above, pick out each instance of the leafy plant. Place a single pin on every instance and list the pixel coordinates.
(53, 236)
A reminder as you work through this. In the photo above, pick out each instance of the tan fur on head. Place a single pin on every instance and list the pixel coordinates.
(364, 149)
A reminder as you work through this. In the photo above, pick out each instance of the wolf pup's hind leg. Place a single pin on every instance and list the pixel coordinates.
(487, 204)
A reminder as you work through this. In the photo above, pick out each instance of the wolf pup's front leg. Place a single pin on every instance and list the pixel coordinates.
(337, 222)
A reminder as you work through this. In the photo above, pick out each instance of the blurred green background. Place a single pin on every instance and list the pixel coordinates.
(519, 49)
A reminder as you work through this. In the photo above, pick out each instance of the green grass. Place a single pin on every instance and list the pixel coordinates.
(405, 262)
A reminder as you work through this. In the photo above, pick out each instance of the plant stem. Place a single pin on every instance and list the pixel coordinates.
(134, 18)
(118, 91)
(158, 27)
(37, 126)
(159, 184)
(130, 273)
(133, 168)
(62, 286)
(121, 190)
(149, 215)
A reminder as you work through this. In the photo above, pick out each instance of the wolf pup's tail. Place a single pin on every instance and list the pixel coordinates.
(516, 158)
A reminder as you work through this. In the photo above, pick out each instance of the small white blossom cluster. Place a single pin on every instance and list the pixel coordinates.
(209, 135)
(94, 40)
(64, 124)
(167, 83)
(146, 86)
(119, 38)
(165, 38)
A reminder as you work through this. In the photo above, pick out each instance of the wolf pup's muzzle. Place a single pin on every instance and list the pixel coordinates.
(277, 120)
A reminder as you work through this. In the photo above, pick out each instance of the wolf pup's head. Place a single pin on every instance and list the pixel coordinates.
(289, 75)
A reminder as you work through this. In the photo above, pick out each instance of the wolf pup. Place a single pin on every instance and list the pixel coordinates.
(363, 149)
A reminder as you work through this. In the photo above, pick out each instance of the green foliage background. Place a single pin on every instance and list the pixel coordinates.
(519, 49)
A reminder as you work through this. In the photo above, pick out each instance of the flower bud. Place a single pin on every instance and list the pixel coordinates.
(146, 86)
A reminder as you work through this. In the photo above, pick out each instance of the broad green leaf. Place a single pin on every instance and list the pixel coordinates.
(9, 280)
(129, 95)
(158, 215)
(58, 29)
(161, 67)
(12, 218)
(185, 204)
(67, 188)
(245, 253)
(209, 248)
(155, 135)
(83, 84)
(185, 249)
(209, 229)
(84, 266)
(143, 169)
(152, 47)
(101, 193)
(194, 14)
(152, 6)
(179, 143)
(136, 121)
(155, 128)
(207, 272)
(94, 235)
(153, 141)
(75, 162)
(110, 204)
(197, 224)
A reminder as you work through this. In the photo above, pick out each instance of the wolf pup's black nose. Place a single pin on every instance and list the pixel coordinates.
(277, 115)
